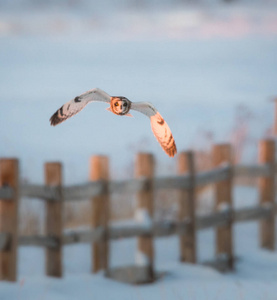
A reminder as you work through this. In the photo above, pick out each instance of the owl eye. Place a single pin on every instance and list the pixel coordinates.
(116, 104)
(125, 104)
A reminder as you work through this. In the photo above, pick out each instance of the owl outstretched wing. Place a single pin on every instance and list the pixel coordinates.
(74, 106)
(159, 127)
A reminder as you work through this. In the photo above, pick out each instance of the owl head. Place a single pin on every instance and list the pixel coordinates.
(120, 105)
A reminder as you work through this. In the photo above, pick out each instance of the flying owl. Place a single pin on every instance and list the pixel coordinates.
(120, 106)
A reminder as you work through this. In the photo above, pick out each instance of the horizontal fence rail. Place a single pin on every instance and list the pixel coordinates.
(92, 189)
(159, 229)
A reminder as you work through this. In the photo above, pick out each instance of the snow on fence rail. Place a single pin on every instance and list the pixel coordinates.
(99, 189)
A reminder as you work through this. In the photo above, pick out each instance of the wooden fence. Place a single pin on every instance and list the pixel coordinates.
(101, 187)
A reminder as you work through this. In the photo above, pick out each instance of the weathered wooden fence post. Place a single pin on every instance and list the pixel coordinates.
(187, 241)
(9, 176)
(144, 167)
(267, 194)
(223, 201)
(54, 220)
(99, 170)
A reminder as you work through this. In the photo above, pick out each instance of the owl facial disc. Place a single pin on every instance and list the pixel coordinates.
(120, 105)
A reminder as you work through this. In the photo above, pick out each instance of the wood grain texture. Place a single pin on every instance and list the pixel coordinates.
(99, 171)
(222, 154)
(144, 167)
(267, 194)
(54, 220)
(187, 199)
(9, 176)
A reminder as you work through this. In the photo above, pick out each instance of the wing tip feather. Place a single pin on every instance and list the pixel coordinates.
(171, 151)
(55, 120)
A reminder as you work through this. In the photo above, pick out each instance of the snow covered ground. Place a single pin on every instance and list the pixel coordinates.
(253, 279)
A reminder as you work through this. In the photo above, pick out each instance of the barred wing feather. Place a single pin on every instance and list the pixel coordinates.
(159, 127)
(75, 105)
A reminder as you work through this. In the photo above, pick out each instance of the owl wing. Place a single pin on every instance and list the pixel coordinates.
(75, 105)
(159, 127)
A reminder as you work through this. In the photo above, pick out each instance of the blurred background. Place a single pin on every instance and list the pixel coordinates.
(209, 66)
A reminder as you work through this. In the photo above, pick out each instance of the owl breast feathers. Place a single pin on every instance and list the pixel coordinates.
(120, 106)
